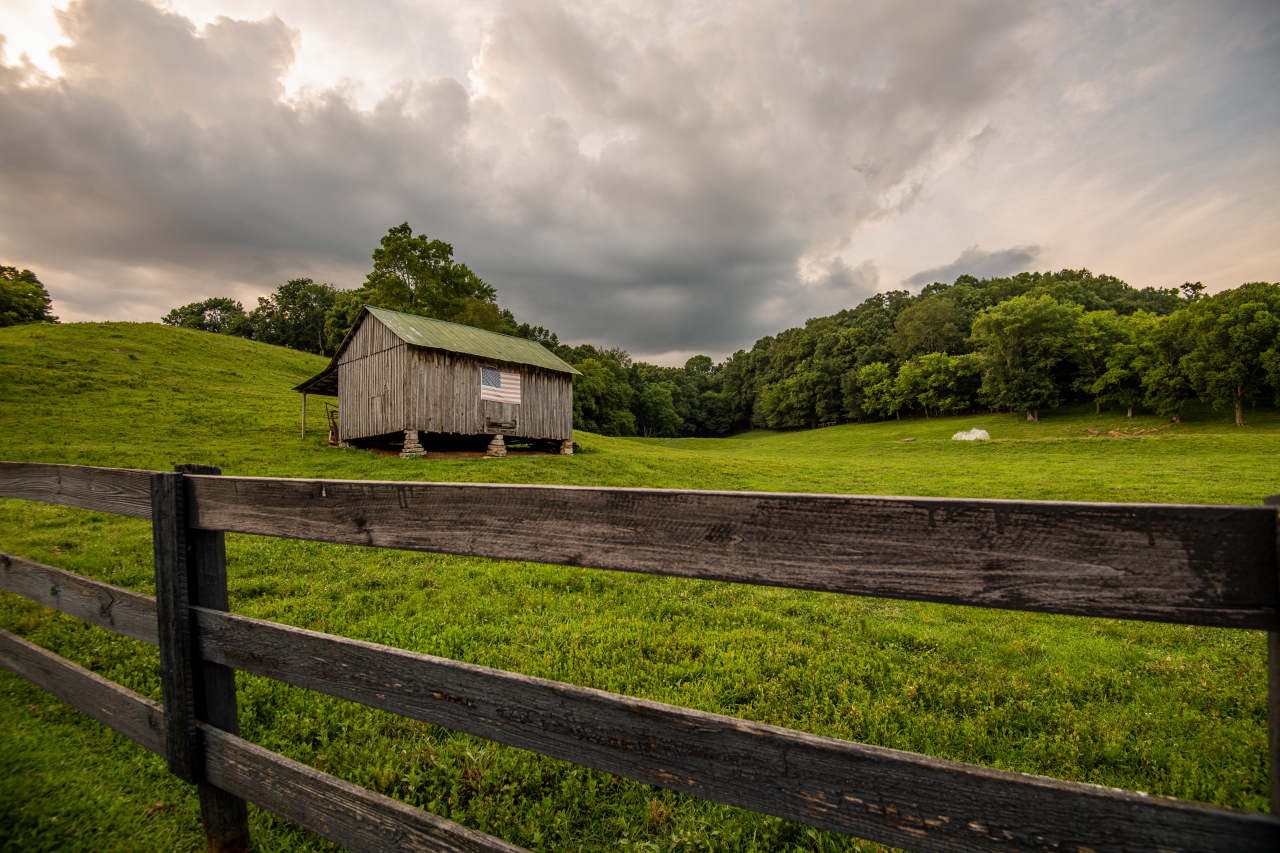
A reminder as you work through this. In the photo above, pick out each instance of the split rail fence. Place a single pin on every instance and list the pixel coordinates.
(1183, 564)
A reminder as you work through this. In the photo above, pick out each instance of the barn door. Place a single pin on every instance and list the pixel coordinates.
(501, 418)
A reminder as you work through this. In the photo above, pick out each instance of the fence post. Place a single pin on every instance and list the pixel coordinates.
(1273, 682)
(173, 624)
(225, 816)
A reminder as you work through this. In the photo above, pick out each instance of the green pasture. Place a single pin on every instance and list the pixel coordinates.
(1163, 709)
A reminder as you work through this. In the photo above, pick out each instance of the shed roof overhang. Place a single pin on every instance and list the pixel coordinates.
(325, 383)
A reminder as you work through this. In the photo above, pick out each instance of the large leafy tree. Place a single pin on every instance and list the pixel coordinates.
(1020, 343)
(1121, 380)
(293, 316)
(418, 275)
(342, 315)
(602, 398)
(548, 339)
(881, 393)
(216, 314)
(655, 410)
(1093, 340)
(485, 315)
(935, 324)
(1159, 364)
(1234, 338)
(23, 298)
(939, 382)
(790, 402)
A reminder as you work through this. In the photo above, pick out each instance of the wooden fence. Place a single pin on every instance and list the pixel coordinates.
(1195, 565)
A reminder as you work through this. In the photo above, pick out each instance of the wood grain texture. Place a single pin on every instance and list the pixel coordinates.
(173, 626)
(206, 565)
(115, 608)
(1273, 683)
(1198, 565)
(134, 716)
(1273, 715)
(225, 816)
(116, 490)
(338, 811)
(898, 798)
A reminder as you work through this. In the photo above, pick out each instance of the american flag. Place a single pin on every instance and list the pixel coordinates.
(499, 386)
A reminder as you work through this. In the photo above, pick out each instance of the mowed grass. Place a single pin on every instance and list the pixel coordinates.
(1164, 709)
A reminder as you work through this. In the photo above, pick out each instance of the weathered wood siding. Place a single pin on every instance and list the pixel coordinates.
(385, 386)
(444, 396)
(371, 383)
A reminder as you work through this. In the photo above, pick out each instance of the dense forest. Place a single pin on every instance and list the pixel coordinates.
(1028, 342)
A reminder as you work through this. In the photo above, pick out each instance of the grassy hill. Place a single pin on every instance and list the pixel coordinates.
(1164, 709)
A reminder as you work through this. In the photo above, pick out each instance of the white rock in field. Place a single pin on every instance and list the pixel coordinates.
(972, 435)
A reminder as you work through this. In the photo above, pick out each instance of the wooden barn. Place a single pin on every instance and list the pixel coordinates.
(401, 373)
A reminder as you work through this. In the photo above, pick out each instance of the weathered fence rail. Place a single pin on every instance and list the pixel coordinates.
(1200, 565)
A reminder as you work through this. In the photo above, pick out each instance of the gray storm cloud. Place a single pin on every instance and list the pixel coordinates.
(983, 264)
(648, 177)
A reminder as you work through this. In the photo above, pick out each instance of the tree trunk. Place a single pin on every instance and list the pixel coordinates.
(1033, 415)
(1130, 412)
(1097, 407)
(1239, 411)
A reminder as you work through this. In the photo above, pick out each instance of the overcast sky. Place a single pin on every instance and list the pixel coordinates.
(669, 177)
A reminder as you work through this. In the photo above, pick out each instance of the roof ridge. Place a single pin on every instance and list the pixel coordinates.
(449, 322)
(422, 331)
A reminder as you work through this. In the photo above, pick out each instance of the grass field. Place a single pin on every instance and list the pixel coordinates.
(1163, 709)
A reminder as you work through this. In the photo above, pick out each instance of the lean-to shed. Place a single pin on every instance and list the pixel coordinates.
(399, 372)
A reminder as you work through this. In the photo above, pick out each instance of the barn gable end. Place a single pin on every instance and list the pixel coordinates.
(372, 388)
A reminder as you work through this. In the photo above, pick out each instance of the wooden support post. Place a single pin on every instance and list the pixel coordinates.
(173, 624)
(304, 415)
(225, 816)
(1273, 715)
(1273, 683)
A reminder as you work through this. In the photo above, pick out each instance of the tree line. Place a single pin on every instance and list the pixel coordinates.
(1027, 343)
(1024, 343)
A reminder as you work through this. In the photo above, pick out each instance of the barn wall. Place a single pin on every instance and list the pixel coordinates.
(444, 392)
(371, 382)
(444, 395)
(385, 386)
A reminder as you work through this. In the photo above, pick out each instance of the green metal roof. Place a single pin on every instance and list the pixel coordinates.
(441, 334)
